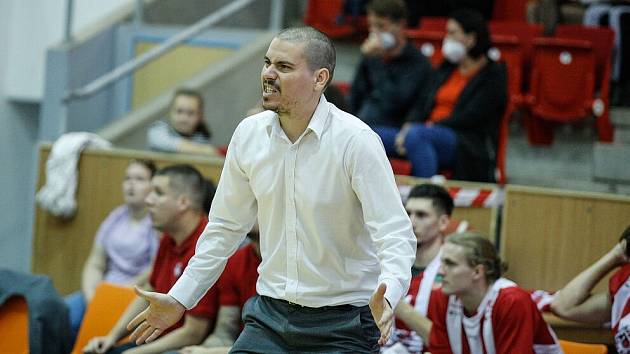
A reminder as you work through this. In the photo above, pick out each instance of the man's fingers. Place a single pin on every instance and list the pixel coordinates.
(138, 331)
(156, 333)
(137, 320)
(385, 333)
(145, 335)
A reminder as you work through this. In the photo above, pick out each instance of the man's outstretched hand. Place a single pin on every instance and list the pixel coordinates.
(163, 312)
(382, 313)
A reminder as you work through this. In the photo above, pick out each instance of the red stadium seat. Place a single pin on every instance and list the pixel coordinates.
(509, 10)
(507, 48)
(433, 23)
(602, 41)
(562, 84)
(401, 167)
(324, 16)
(429, 43)
(524, 31)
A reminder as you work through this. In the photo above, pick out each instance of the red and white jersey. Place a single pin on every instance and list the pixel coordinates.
(403, 339)
(506, 321)
(619, 287)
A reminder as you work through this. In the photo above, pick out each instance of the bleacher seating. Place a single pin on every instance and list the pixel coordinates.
(602, 42)
(327, 16)
(561, 84)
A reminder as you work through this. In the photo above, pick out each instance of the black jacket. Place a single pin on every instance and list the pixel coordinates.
(382, 92)
(475, 119)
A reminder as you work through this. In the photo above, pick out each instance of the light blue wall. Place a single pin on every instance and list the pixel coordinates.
(18, 137)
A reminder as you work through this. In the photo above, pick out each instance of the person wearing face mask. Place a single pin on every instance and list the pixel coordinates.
(455, 126)
(392, 72)
(186, 131)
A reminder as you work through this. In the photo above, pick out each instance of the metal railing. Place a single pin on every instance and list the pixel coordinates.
(277, 9)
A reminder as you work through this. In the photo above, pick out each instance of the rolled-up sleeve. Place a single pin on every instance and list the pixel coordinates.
(231, 216)
(383, 212)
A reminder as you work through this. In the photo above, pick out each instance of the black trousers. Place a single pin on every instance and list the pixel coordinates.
(277, 326)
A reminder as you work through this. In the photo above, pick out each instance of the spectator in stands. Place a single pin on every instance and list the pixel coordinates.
(418, 9)
(186, 131)
(392, 72)
(429, 207)
(476, 308)
(175, 204)
(236, 285)
(615, 14)
(456, 125)
(124, 246)
(553, 12)
(576, 301)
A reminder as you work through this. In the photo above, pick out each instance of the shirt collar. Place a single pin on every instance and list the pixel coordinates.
(191, 240)
(316, 124)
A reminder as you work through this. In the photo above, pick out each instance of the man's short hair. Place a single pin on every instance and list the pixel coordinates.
(395, 10)
(319, 50)
(442, 201)
(185, 179)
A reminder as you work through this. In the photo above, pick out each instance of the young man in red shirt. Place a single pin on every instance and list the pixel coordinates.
(576, 302)
(176, 207)
(477, 311)
(236, 285)
(429, 207)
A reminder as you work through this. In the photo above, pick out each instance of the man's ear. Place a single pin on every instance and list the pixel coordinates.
(322, 76)
(183, 202)
(443, 221)
(479, 272)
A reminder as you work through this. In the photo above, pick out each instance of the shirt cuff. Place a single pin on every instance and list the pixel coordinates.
(186, 291)
(394, 291)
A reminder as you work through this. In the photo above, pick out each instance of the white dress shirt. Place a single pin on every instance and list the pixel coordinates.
(331, 220)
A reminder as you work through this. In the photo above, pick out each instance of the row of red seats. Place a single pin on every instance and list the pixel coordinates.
(326, 15)
(568, 75)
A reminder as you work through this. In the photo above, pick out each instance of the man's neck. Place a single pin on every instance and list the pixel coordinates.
(184, 227)
(295, 123)
(427, 252)
(473, 297)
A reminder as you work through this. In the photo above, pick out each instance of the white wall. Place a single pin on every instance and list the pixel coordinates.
(33, 26)
(18, 137)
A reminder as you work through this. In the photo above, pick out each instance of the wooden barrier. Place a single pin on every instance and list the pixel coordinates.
(483, 220)
(548, 236)
(60, 247)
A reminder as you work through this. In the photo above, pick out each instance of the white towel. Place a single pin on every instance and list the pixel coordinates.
(57, 196)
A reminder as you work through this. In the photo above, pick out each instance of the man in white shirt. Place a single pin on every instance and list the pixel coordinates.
(334, 236)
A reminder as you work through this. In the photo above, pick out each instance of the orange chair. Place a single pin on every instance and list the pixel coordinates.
(108, 304)
(429, 42)
(14, 326)
(602, 41)
(324, 16)
(582, 348)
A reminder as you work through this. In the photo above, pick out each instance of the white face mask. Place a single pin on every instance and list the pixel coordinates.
(388, 41)
(453, 50)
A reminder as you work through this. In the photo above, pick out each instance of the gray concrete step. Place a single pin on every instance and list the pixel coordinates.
(620, 117)
(611, 162)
